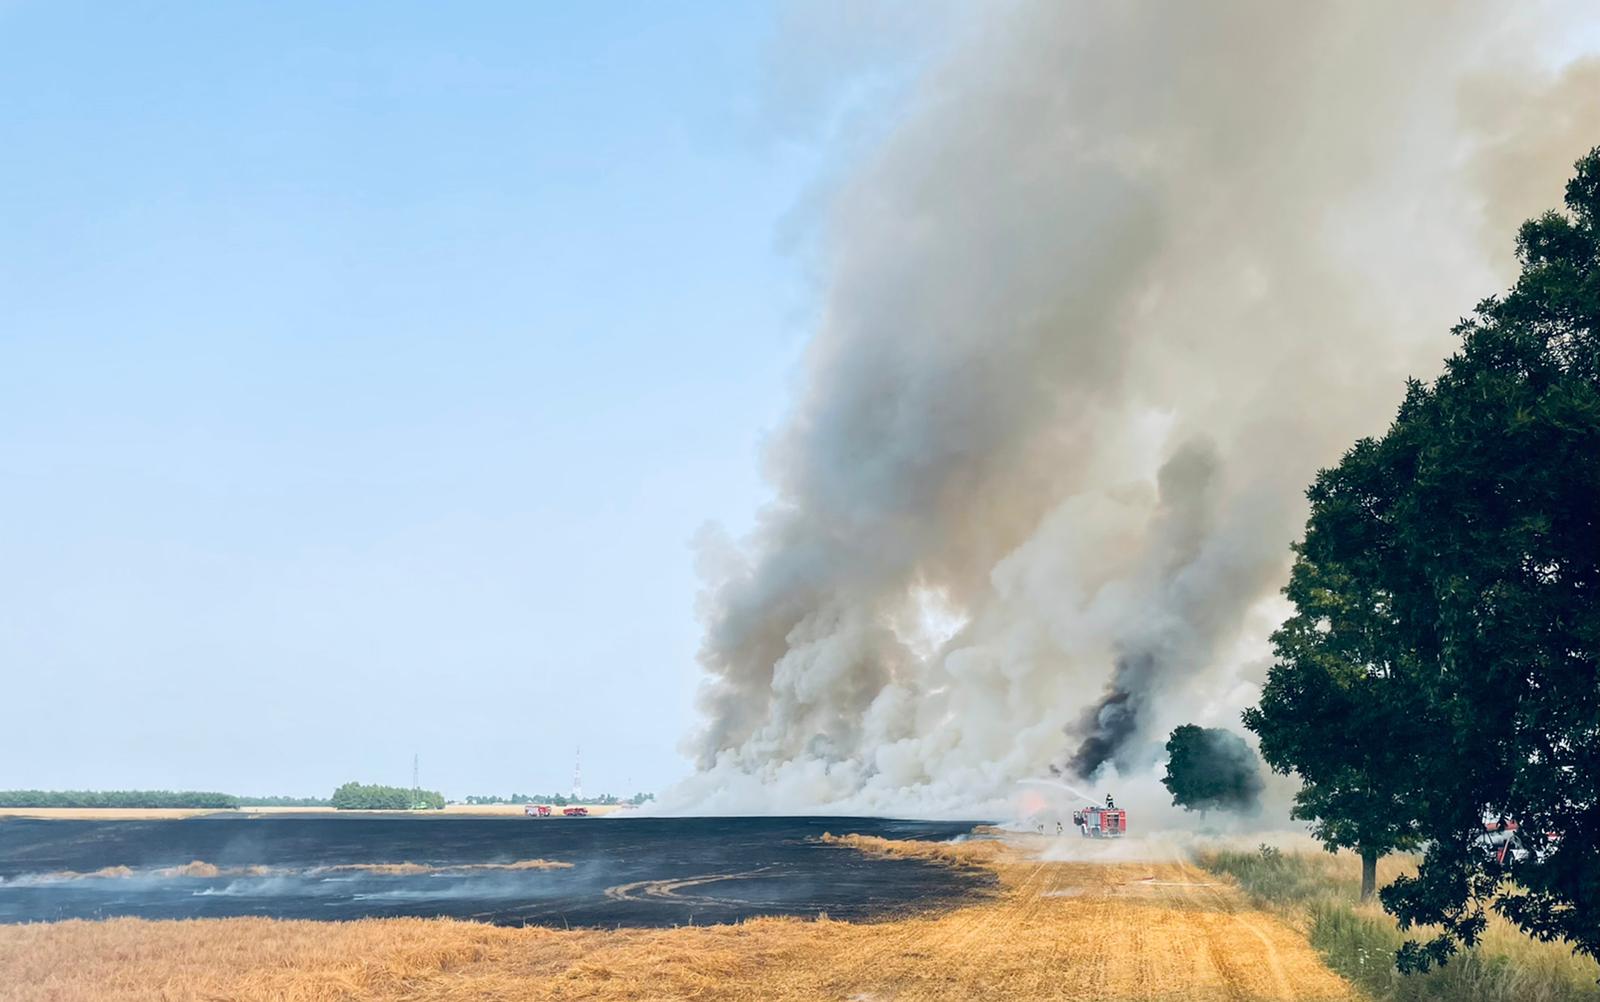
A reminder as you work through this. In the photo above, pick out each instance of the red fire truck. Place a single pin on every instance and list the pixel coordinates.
(1109, 821)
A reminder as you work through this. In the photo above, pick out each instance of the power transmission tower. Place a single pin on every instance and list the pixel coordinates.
(577, 776)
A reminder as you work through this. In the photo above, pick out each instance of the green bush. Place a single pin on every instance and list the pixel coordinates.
(365, 797)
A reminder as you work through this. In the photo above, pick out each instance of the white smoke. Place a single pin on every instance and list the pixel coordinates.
(1123, 279)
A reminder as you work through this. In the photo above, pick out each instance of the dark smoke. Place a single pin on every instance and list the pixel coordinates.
(1186, 517)
(1108, 725)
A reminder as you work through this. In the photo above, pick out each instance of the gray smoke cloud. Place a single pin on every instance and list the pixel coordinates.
(1096, 310)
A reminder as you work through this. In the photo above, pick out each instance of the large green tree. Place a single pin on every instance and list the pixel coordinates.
(1211, 769)
(1336, 708)
(1447, 619)
(1501, 578)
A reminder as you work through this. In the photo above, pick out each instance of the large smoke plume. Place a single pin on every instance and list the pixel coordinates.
(1125, 276)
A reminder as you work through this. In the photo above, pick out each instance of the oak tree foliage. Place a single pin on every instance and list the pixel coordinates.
(1442, 668)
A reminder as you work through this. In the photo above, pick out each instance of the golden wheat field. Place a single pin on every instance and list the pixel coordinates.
(1050, 930)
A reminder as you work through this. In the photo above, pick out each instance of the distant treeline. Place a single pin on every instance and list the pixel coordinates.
(285, 802)
(349, 797)
(147, 799)
(364, 797)
(561, 800)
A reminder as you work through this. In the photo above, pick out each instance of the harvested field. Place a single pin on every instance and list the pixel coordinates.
(1050, 930)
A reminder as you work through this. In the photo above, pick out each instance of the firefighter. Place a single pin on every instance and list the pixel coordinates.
(1058, 826)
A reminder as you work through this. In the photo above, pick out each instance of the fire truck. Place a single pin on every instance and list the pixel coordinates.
(1502, 841)
(1109, 821)
(537, 810)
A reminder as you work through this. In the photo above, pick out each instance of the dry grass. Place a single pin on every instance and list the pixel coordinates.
(103, 872)
(521, 864)
(965, 853)
(408, 869)
(1050, 930)
(196, 868)
(388, 869)
(1319, 892)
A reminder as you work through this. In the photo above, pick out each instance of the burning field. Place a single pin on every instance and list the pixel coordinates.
(503, 871)
(1047, 929)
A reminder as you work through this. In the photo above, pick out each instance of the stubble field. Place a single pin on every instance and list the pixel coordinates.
(1047, 930)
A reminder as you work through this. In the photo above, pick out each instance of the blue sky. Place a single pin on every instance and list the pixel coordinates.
(365, 370)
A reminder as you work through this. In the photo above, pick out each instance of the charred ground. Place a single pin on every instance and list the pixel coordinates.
(634, 872)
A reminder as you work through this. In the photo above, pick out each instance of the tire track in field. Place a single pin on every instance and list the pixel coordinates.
(1227, 902)
(978, 933)
(912, 959)
(929, 959)
(672, 888)
(1084, 929)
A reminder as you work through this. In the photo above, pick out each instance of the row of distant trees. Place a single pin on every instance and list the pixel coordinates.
(350, 796)
(561, 800)
(146, 799)
(372, 797)
(1441, 670)
(149, 799)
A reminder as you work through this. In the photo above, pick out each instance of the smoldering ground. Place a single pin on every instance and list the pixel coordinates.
(1121, 279)
(509, 871)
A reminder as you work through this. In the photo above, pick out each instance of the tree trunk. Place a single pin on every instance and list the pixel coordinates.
(1369, 873)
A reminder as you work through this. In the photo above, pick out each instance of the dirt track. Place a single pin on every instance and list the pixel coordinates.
(1104, 930)
(1098, 930)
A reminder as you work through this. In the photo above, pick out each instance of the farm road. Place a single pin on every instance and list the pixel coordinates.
(1089, 929)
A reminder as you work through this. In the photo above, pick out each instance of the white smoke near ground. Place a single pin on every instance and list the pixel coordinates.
(1095, 312)
(1165, 846)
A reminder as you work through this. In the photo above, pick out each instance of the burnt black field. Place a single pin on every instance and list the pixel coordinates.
(625, 871)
